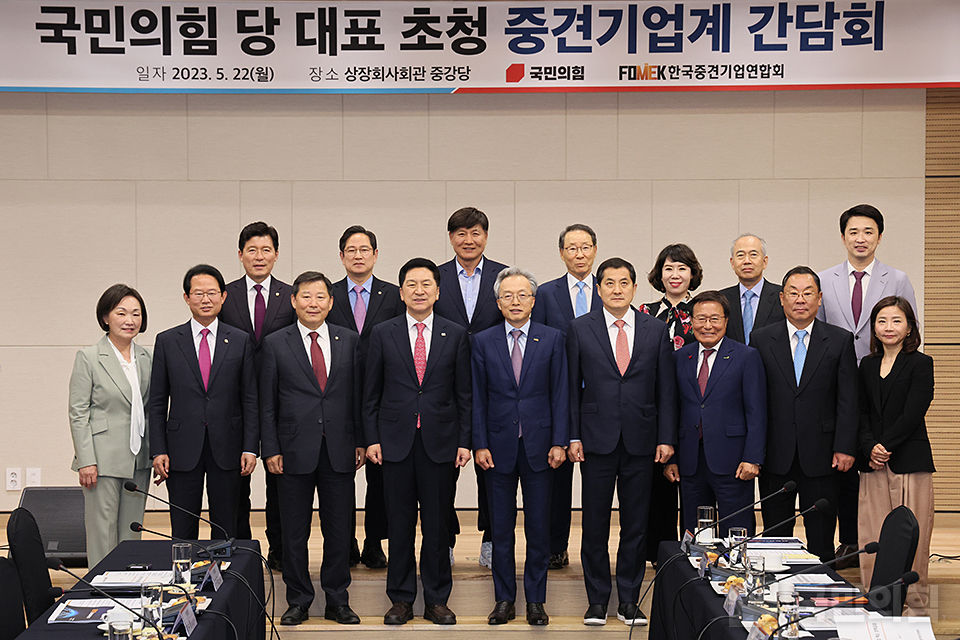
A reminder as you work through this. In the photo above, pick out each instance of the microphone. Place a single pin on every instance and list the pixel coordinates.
(223, 551)
(819, 505)
(59, 592)
(905, 580)
(790, 485)
(212, 550)
(871, 547)
(56, 565)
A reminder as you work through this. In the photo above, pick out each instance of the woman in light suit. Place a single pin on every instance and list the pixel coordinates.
(109, 387)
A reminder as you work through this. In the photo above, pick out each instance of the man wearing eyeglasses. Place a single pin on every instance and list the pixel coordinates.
(558, 302)
(361, 301)
(723, 418)
(811, 369)
(204, 420)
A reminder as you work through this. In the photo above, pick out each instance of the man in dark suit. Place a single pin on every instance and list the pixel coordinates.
(558, 303)
(723, 417)
(520, 432)
(309, 408)
(257, 303)
(622, 419)
(361, 302)
(812, 411)
(203, 409)
(755, 301)
(416, 420)
(468, 300)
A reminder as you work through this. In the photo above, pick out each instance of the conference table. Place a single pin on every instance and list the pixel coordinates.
(684, 616)
(233, 599)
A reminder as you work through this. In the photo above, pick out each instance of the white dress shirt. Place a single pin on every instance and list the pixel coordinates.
(864, 281)
(137, 417)
(713, 357)
(412, 333)
(792, 330)
(196, 328)
(323, 339)
(575, 289)
(629, 327)
(252, 296)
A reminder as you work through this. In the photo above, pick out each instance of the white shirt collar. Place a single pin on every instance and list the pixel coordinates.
(628, 318)
(716, 347)
(757, 288)
(462, 271)
(123, 361)
(868, 269)
(323, 332)
(265, 284)
(572, 281)
(196, 327)
(525, 329)
(411, 322)
(792, 330)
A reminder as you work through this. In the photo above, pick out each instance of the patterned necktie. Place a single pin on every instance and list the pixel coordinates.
(581, 306)
(319, 364)
(259, 311)
(622, 352)
(704, 374)
(203, 355)
(516, 356)
(420, 357)
(748, 297)
(359, 309)
(857, 300)
(800, 355)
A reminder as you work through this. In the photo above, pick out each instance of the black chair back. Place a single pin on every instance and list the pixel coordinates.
(11, 602)
(899, 537)
(26, 548)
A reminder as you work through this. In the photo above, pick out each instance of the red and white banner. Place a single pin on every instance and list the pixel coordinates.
(444, 47)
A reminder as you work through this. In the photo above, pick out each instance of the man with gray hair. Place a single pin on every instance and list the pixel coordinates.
(755, 301)
(520, 411)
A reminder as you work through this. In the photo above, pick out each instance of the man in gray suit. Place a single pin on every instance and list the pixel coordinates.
(850, 291)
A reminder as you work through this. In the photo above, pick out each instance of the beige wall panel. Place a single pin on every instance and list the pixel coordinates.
(902, 203)
(76, 237)
(497, 137)
(894, 124)
(702, 214)
(819, 134)
(400, 213)
(619, 213)
(117, 136)
(679, 136)
(271, 202)
(23, 136)
(385, 137)
(497, 200)
(179, 225)
(591, 134)
(777, 211)
(250, 137)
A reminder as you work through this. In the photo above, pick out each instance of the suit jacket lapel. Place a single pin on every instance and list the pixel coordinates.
(341, 302)
(487, 277)
(562, 295)
(721, 360)
(815, 353)
(336, 352)
(401, 340)
(295, 342)
(873, 381)
(640, 337)
(878, 282)
(767, 303)
(219, 352)
(898, 365)
(143, 369)
(237, 295)
(783, 356)
(735, 322)
(273, 300)
(438, 341)
(506, 358)
(189, 351)
(449, 273)
(529, 351)
(688, 371)
(599, 325)
(108, 360)
(840, 283)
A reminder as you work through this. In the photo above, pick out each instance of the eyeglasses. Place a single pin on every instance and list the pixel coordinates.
(352, 251)
(200, 295)
(572, 251)
(521, 297)
(806, 295)
(708, 319)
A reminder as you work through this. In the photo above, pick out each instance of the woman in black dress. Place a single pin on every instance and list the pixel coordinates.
(676, 273)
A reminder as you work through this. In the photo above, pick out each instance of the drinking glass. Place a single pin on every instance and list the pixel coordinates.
(181, 564)
(120, 630)
(705, 520)
(736, 535)
(756, 577)
(788, 608)
(151, 606)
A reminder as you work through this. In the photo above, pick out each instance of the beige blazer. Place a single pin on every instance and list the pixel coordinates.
(100, 404)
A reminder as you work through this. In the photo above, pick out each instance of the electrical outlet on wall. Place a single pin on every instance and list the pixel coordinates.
(14, 479)
(33, 477)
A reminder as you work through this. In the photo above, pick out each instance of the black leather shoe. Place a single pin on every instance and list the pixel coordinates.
(596, 615)
(342, 614)
(849, 563)
(399, 613)
(439, 614)
(275, 561)
(536, 615)
(354, 554)
(558, 560)
(294, 615)
(630, 614)
(502, 611)
(373, 556)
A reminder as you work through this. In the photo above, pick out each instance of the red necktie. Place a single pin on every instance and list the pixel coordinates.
(319, 365)
(704, 374)
(259, 311)
(857, 300)
(203, 355)
(420, 357)
(623, 352)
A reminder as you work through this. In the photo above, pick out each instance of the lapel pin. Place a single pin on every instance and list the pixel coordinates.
(336, 337)
(726, 357)
(536, 339)
(277, 294)
(379, 292)
(443, 335)
(225, 341)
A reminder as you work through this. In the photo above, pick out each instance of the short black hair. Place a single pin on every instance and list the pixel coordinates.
(466, 218)
(711, 296)
(256, 230)
(578, 227)
(912, 342)
(864, 210)
(110, 300)
(801, 270)
(203, 270)
(676, 253)
(355, 229)
(312, 276)
(616, 263)
(420, 263)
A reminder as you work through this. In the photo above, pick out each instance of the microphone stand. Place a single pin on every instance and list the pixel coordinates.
(222, 549)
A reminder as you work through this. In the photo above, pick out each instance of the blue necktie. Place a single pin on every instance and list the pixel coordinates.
(581, 306)
(748, 297)
(800, 355)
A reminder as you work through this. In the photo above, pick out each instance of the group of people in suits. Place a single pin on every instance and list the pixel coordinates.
(318, 379)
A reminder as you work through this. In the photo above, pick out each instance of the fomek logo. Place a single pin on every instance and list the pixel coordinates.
(646, 72)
